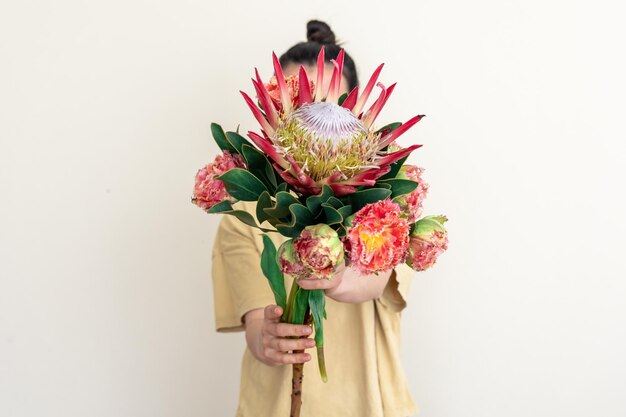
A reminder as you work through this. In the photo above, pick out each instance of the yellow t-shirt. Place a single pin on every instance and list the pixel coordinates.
(361, 341)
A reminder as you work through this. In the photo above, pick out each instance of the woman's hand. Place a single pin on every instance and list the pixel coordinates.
(270, 341)
(323, 284)
(348, 286)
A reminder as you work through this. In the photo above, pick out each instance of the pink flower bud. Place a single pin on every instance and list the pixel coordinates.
(428, 240)
(316, 253)
(289, 262)
(320, 250)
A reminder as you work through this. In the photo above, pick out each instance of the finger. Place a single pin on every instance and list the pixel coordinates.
(287, 358)
(286, 329)
(272, 313)
(285, 345)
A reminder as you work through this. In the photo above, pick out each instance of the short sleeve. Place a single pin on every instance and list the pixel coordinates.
(395, 294)
(238, 282)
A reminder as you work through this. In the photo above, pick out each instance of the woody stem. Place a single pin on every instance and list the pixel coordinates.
(298, 375)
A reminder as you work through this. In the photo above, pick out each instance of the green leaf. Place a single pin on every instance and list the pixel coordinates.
(226, 208)
(281, 208)
(301, 218)
(242, 184)
(390, 128)
(265, 201)
(317, 304)
(361, 198)
(300, 304)
(246, 218)
(259, 166)
(400, 186)
(335, 202)
(314, 202)
(221, 207)
(220, 138)
(237, 141)
(332, 215)
(282, 186)
(271, 270)
(342, 98)
(345, 211)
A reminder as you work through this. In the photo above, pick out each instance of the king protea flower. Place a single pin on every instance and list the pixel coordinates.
(312, 140)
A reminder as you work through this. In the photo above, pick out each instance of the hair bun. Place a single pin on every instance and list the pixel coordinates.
(320, 32)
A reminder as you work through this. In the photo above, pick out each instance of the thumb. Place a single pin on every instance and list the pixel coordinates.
(273, 312)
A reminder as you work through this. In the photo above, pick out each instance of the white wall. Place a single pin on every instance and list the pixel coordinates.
(105, 296)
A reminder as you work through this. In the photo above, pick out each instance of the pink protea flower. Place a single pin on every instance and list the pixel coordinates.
(411, 204)
(378, 237)
(428, 240)
(312, 140)
(316, 253)
(209, 191)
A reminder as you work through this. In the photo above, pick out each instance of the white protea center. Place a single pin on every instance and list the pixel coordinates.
(324, 138)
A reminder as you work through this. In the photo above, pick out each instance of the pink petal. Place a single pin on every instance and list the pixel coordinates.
(356, 110)
(304, 88)
(386, 140)
(335, 80)
(392, 157)
(378, 105)
(368, 176)
(304, 179)
(350, 101)
(258, 115)
(266, 101)
(282, 85)
(267, 147)
(320, 76)
(341, 190)
(295, 184)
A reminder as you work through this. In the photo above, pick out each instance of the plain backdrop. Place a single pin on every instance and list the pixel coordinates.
(105, 287)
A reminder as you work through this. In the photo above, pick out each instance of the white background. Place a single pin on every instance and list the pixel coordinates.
(105, 291)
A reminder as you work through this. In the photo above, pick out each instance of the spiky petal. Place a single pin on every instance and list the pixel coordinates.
(260, 117)
(319, 95)
(335, 80)
(282, 85)
(350, 101)
(266, 101)
(390, 137)
(304, 89)
(360, 103)
(372, 113)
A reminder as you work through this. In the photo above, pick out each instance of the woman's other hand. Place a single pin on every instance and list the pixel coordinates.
(273, 342)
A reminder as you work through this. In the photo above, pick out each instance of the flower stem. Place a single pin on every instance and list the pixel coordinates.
(298, 376)
(288, 313)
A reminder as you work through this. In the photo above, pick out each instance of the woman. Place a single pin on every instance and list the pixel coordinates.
(361, 335)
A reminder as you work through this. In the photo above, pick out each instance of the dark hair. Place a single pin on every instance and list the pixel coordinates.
(319, 34)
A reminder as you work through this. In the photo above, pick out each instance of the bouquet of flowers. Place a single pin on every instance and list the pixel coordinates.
(325, 177)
